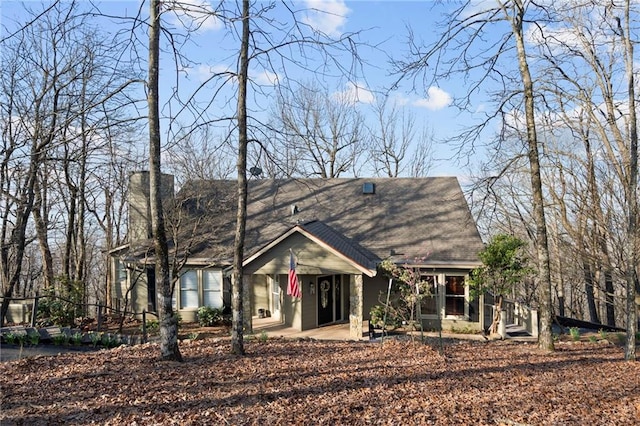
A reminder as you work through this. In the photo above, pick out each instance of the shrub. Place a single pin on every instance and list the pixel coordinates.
(110, 340)
(10, 338)
(95, 338)
(34, 338)
(463, 330)
(575, 333)
(209, 317)
(151, 326)
(376, 317)
(61, 339)
(62, 303)
(76, 338)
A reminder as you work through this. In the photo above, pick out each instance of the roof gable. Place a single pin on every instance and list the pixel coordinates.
(336, 243)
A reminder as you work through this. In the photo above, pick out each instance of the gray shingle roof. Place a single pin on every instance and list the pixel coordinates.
(341, 244)
(405, 218)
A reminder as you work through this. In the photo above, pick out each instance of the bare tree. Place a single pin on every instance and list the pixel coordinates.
(63, 93)
(322, 130)
(592, 72)
(631, 189)
(35, 80)
(396, 146)
(168, 319)
(237, 293)
(200, 155)
(266, 42)
(465, 31)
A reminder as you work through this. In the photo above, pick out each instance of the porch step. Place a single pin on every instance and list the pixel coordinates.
(515, 330)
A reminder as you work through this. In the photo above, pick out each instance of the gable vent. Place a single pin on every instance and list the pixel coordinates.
(368, 188)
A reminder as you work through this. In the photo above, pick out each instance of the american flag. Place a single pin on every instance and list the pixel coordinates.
(293, 285)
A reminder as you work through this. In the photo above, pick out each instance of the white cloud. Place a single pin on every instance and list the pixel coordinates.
(265, 77)
(355, 93)
(327, 16)
(193, 14)
(400, 99)
(436, 99)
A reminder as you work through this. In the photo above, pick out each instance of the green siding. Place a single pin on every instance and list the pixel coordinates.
(261, 297)
(373, 288)
(312, 259)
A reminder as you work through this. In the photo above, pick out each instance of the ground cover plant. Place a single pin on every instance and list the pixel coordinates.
(316, 382)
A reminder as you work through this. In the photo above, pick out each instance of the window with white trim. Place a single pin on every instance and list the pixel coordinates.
(429, 301)
(189, 289)
(455, 293)
(212, 288)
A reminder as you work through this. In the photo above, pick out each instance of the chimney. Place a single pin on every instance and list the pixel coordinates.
(139, 203)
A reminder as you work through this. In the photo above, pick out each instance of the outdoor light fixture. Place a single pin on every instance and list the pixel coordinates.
(312, 288)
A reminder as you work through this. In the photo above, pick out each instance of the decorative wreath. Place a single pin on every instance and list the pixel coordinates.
(324, 296)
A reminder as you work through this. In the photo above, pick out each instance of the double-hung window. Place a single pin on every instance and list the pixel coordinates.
(212, 288)
(201, 287)
(454, 295)
(189, 289)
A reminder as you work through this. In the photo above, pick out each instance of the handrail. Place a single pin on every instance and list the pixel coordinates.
(101, 307)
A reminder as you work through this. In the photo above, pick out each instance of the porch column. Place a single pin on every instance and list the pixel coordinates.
(247, 309)
(355, 307)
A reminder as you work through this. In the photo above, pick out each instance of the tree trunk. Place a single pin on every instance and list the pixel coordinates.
(168, 320)
(601, 235)
(493, 329)
(12, 265)
(631, 192)
(609, 298)
(588, 289)
(545, 339)
(237, 341)
(40, 219)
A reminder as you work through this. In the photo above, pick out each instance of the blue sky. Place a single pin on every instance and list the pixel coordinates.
(382, 23)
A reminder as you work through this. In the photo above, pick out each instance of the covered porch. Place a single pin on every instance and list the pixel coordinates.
(332, 273)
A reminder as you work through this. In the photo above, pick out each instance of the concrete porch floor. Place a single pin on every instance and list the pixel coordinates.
(274, 328)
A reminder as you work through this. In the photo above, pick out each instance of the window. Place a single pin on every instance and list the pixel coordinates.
(428, 303)
(121, 271)
(189, 290)
(455, 295)
(212, 288)
(275, 297)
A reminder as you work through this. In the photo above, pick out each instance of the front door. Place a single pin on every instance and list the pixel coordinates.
(329, 299)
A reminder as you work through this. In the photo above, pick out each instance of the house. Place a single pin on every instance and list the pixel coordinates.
(338, 231)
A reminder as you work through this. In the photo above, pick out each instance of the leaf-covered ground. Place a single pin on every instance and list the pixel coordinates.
(319, 382)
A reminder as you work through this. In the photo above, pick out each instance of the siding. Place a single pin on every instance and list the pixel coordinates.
(371, 289)
(261, 297)
(291, 308)
(312, 259)
(309, 302)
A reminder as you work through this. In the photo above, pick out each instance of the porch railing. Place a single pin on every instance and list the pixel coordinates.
(513, 313)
